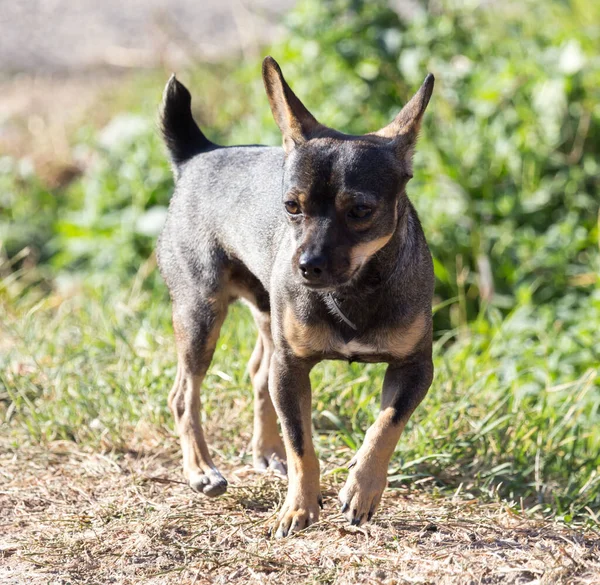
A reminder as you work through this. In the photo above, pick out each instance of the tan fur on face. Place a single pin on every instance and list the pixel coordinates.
(362, 252)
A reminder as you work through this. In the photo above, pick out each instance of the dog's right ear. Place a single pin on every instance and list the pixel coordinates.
(294, 120)
(403, 131)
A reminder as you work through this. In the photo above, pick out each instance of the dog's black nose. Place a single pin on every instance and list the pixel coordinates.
(312, 267)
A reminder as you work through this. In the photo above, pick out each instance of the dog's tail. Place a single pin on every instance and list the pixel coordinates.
(181, 133)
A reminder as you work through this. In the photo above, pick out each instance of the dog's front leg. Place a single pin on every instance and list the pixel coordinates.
(290, 390)
(403, 389)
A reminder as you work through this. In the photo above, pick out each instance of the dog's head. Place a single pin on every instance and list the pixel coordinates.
(343, 194)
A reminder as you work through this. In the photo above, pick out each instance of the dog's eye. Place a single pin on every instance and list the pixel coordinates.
(292, 207)
(360, 212)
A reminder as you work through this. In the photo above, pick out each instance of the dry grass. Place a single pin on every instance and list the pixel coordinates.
(73, 516)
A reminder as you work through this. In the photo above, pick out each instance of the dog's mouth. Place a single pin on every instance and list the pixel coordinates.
(320, 286)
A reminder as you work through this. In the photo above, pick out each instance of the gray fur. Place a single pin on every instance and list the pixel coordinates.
(228, 236)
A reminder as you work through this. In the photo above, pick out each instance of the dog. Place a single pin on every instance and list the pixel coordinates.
(321, 241)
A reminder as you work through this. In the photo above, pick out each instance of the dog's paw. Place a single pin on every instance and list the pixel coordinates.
(270, 458)
(361, 494)
(297, 515)
(210, 484)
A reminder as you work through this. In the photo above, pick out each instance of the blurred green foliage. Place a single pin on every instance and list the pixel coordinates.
(507, 170)
(108, 219)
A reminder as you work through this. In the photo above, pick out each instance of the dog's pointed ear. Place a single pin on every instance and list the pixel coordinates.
(294, 120)
(404, 129)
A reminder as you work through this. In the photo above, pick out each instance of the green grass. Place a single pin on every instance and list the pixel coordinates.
(513, 411)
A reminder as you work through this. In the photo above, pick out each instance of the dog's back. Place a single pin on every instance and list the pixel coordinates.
(237, 191)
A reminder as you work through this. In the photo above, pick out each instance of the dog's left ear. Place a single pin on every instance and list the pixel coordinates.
(294, 120)
(404, 130)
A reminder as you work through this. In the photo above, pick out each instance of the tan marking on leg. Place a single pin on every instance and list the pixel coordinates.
(267, 447)
(306, 340)
(304, 475)
(184, 402)
(220, 309)
(303, 499)
(367, 479)
(256, 358)
(305, 468)
(381, 440)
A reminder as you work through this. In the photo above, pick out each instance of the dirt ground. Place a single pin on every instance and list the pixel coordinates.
(74, 516)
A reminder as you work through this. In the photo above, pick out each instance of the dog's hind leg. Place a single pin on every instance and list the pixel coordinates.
(196, 325)
(267, 447)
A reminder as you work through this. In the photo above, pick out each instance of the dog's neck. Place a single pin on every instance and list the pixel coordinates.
(355, 301)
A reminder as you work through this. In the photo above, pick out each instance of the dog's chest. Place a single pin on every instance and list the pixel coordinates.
(321, 340)
(355, 348)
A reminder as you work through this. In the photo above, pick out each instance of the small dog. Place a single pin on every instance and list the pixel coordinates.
(321, 241)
